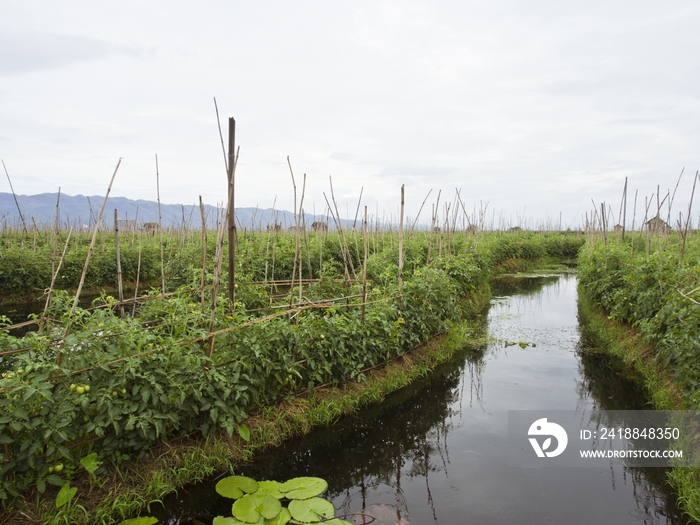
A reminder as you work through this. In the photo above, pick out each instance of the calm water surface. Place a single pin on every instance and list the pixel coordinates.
(436, 452)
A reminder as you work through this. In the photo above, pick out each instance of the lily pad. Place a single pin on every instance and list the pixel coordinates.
(282, 518)
(220, 520)
(235, 486)
(146, 520)
(252, 506)
(311, 510)
(270, 487)
(303, 488)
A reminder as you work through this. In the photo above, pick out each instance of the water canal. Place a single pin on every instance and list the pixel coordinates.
(436, 452)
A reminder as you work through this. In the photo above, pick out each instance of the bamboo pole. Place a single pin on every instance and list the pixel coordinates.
(401, 243)
(55, 274)
(120, 289)
(342, 230)
(217, 266)
(204, 251)
(296, 231)
(160, 229)
(364, 266)
(87, 263)
(138, 276)
(231, 176)
(24, 224)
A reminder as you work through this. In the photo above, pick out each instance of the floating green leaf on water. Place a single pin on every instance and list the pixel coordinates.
(270, 487)
(303, 488)
(282, 518)
(235, 486)
(147, 520)
(311, 510)
(521, 344)
(220, 520)
(252, 506)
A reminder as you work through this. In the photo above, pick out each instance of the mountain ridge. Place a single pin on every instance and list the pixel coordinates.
(82, 210)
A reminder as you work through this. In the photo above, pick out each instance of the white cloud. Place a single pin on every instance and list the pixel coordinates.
(539, 104)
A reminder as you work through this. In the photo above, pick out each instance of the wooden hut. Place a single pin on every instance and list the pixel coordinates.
(657, 225)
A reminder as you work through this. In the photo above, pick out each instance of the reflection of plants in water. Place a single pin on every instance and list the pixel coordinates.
(609, 385)
(522, 285)
(607, 382)
(402, 437)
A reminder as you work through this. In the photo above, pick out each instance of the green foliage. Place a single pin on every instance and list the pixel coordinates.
(303, 488)
(263, 504)
(140, 521)
(65, 495)
(124, 383)
(654, 293)
(235, 487)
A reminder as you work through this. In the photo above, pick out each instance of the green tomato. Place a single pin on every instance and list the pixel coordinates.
(50, 469)
(73, 387)
(80, 390)
(123, 390)
(86, 419)
(58, 467)
(87, 388)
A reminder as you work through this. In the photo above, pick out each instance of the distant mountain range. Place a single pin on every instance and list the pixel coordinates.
(81, 211)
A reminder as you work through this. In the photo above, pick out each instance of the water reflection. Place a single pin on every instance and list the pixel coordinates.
(435, 452)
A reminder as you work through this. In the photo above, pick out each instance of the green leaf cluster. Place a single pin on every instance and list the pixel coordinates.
(263, 502)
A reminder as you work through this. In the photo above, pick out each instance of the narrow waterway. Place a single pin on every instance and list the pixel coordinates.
(437, 452)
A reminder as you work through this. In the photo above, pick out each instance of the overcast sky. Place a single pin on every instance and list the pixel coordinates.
(534, 107)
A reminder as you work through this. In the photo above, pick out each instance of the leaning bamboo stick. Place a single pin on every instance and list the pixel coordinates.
(87, 261)
(55, 274)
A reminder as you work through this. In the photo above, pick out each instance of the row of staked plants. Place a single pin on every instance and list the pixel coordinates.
(649, 285)
(652, 283)
(26, 271)
(94, 382)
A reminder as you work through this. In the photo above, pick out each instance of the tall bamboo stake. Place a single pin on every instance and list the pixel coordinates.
(401, 244)
(55, 274)
(120, 290)
(204, 251)
(231, 176)
(160, 229)
(87, 263)
(340, 227)
(217, 266)
(364, 265)
(624, 213)
(138, 275)
(24, 224)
